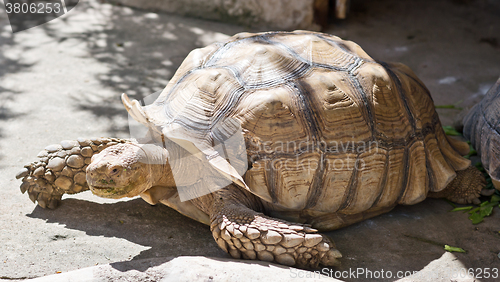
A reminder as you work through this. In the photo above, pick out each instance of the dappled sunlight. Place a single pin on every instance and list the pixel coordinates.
(12, 62)
(139, 50)
(62, 80)
(135, 52)
(146, 231)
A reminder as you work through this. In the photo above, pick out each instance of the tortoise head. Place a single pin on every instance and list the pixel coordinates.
(126, 170)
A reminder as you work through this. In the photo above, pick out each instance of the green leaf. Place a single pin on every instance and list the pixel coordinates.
(462, 209)
(484, 203)
(495, 198)
(474, 210)
(450, 130)
(486, 211)
(454, 249)
(488, 205)
(450, 202)
(476, 218)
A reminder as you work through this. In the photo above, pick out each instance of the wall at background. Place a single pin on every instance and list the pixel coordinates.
(276, 14)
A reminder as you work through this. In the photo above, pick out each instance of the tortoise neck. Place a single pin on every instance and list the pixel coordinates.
(159, 167)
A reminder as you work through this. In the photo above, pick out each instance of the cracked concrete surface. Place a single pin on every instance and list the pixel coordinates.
(62, 80)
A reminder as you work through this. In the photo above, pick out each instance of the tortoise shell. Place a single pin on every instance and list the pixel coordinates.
(327, 129)
(482, 128)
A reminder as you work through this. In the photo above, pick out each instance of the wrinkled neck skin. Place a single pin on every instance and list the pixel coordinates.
(157, 166)
(164, 161)
(163, 185)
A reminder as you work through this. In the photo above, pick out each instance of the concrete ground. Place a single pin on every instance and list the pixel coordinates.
(62, 80)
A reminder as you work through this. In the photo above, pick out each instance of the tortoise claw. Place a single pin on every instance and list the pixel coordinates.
(487, 192)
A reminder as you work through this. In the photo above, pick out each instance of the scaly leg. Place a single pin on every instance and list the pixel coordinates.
(465, 188)
(60, 170)
(242, 231)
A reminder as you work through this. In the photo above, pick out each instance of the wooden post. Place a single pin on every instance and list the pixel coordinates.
(341, 8)
(321, 11)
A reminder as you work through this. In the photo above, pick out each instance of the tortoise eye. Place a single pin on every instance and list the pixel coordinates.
(114, 171)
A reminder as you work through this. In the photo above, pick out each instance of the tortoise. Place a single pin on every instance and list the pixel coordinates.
(277, 136)
(482, 128)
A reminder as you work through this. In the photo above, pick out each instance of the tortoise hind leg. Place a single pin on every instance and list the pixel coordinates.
(465, 188)
(243, 232)
(61, 169)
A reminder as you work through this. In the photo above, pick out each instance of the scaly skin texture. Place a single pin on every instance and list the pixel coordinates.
(465, 188)
(61, 169)
(243, 232)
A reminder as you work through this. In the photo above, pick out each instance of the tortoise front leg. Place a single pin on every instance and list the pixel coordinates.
(245, 233)
(60, 169)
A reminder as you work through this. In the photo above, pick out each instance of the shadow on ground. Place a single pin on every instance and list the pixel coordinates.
(406, 239)
(128, 44)
(164, 230)
(409, 238)
(10, 66)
